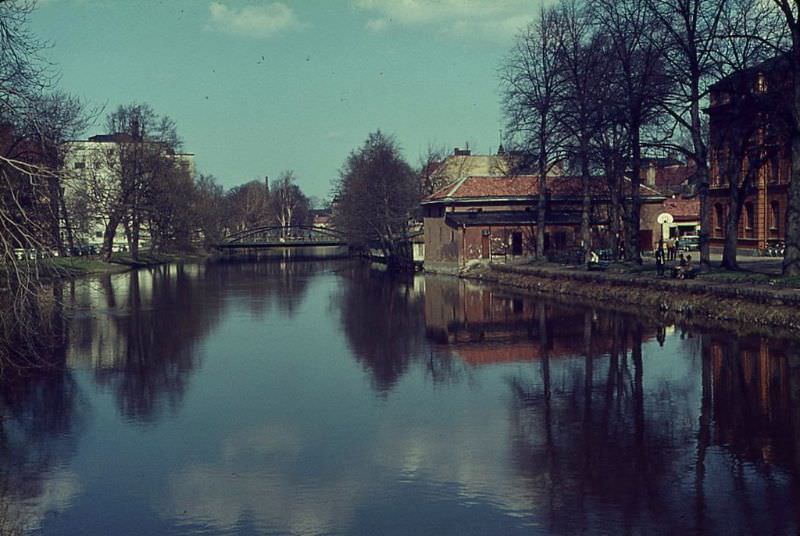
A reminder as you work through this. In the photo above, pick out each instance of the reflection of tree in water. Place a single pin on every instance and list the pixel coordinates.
(40, 411)
(580, 435)
(283, 284)
(382, 316)
(144, 344)
(750, 401)
(600, 447)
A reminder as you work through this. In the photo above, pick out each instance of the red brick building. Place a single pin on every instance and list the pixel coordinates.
(672, 178)
(494, 218)
(750, 108)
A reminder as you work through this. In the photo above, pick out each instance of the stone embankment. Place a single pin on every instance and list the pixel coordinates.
(696, 299)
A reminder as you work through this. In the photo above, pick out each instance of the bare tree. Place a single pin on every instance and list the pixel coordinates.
(531, 84)
(610, 147)
(631, 29)
(431, 178)
(50, 120)
(23, 73)
(208, 208)
(586, 93)
(377, 195)
(691, 30)
(247, 205)
(289, 205)
(142, 152)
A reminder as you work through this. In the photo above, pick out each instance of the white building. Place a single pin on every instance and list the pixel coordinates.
(91, 186)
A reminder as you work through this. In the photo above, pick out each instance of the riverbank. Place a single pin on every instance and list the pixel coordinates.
(719, 296)
(70, 267)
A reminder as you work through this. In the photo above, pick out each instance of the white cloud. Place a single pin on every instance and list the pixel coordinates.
(376, 25)
(494, 19)
(253, 21)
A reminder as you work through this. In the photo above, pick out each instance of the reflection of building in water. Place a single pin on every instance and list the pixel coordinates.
(754, 386)
(484, 325)
(105, 306)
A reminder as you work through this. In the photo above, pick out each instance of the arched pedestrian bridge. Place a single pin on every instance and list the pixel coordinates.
(275, 236)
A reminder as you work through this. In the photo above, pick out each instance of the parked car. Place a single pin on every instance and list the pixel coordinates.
(83, 250)
(689, 243)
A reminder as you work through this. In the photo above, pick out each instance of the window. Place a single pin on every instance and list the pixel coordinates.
(719, 218)
(774, 215)
(749, 217)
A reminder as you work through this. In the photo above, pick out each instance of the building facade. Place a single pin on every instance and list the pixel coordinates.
(495, 218)
(92, 186)
(748, 112)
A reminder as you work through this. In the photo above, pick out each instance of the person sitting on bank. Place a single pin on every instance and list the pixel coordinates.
(685, 269)
(678, 267)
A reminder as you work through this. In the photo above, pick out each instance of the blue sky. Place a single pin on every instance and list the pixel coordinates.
(258, 87)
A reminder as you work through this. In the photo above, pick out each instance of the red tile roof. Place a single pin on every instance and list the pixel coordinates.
(682, 209)
(520, 187)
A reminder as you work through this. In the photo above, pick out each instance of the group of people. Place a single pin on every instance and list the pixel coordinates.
(671, 246)
(682, 270)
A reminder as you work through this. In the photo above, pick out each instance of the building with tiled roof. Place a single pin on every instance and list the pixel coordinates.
(494, 217)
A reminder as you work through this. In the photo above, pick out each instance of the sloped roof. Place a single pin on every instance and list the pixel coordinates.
(682, 209)
(512, 217)
(520, 187)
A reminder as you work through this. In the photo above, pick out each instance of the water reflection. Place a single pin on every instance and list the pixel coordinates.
(384, 317)
(599, 439)
(42, 416)
(139, 331)
(310, 398)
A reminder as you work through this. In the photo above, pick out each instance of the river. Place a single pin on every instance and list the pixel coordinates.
(326, 398)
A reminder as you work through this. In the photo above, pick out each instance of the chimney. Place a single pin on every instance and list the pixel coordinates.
(461, 152)
(651, 175)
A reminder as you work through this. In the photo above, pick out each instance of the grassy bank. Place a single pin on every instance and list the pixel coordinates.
(70, 267)
(721, 297)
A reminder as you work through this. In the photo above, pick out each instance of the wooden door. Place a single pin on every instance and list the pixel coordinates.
(485, 249)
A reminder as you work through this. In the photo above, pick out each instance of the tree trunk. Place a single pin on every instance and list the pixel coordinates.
(791, 255)
(632, 253)
(701, 167)
(55, 215)
(705, 221)
(731, 238)
(732, 225)
(541, 207)
(109, 234)
(586, 207)
(67, 222)
(615, 208)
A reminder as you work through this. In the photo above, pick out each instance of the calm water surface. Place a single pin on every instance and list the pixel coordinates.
(324, 398)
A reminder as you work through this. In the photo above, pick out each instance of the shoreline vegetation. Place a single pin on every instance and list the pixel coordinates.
(74, 267)
(746, 299)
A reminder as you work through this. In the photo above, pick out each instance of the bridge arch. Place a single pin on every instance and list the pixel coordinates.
(271, 235)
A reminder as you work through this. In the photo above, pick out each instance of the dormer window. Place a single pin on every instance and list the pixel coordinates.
(761, 83)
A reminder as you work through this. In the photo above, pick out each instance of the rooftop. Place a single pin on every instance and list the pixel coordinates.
(524, 187)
